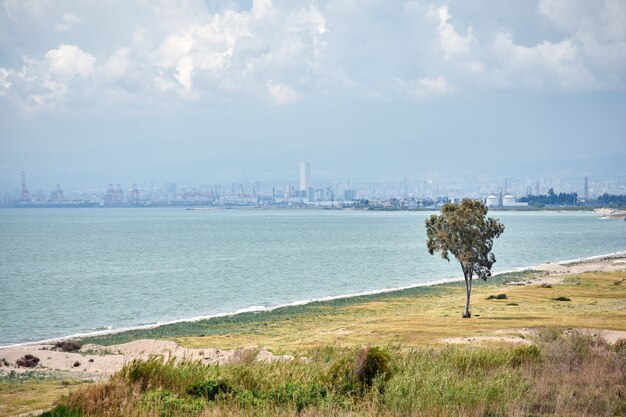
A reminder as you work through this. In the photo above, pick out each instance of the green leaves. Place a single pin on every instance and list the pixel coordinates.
(465, 231)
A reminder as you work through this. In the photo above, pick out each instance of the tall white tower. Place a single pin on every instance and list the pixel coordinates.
(305, 176)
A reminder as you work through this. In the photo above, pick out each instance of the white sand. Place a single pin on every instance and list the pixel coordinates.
(101, 361)
(554, 273)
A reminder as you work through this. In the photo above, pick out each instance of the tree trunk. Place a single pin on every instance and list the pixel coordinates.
(468, 292)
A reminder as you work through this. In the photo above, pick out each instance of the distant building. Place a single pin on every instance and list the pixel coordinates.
(493, 200)
(509, 201)
(349, 195)
(57, 194)
(305, 177)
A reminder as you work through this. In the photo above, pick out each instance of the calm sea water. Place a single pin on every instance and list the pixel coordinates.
(67, 271)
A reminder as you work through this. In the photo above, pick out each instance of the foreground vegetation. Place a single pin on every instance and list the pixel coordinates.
(562, 374)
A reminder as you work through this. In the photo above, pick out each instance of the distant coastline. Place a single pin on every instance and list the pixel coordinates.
(204, 207)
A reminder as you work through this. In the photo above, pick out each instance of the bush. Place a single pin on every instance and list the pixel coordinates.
(63, 411)
(548, 334)
(620, 346)
(356, 375)
(298, 394)
(67, 346)
(156, 372)
(168, 404)
(497, 297)
(561, 299)
(525, 354)
(209, 389)
(27, 361)
(370, 363)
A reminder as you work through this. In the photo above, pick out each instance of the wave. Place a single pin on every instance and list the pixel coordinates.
(108, 330)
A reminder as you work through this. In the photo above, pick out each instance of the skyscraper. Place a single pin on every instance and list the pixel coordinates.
(305, 177)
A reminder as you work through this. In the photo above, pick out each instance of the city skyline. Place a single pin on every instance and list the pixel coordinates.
(307, 189)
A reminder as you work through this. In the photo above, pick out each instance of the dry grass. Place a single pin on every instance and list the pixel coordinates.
(416, 321)
(563, 375)
(18, 396)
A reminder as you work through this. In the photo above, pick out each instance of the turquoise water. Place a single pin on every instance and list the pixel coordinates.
(68, 271)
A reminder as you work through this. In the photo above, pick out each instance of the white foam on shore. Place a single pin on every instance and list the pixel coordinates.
(258, 309)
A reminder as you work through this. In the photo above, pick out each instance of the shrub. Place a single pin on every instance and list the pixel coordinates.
(67, 346)
(544, 285)
(298, 394)
(370, 363)
(209, 389)
(63, 411)
(357, 374)
(497, 297)
(168, 404)
(247, 399)
(620, 346)
(525, 354)
(561, 298)
(156, 372)
(27, 361)
(246, 356)
(548, 334)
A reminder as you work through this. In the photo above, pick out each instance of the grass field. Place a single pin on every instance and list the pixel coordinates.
(414, 317)
(30, 392)
(562, 374)
(410, 324)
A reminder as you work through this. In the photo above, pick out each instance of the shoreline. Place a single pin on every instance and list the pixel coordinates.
(299, 303)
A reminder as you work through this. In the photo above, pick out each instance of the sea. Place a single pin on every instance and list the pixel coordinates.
(67, 272)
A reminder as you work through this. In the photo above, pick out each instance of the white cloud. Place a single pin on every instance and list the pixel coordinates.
(450, 40)
(546, 65)
(282, 95)
(69, 20)
(70, 61)
(598, 30)
(118, 65)
(370, 50)
(428, 87)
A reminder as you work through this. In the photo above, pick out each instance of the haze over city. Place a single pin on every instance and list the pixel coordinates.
(215, 91)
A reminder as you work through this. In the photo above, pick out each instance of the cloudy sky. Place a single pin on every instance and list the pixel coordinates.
(202, 91)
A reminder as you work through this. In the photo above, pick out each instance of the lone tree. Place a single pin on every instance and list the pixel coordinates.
(465, 231)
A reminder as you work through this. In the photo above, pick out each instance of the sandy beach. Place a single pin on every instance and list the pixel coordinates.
(97, 362)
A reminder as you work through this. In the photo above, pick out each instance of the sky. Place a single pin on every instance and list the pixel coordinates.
(207, 91)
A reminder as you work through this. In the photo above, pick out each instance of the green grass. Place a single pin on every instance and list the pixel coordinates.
(563, 374)
(27, 392)
(255, 323)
